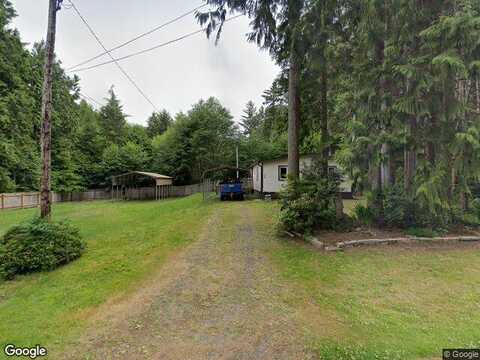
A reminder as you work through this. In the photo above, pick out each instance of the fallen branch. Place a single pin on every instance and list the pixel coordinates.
(389, 241)
(315, 242)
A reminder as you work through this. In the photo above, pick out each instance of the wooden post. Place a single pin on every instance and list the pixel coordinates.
(21, 200)
(3, 201)
(46, 132)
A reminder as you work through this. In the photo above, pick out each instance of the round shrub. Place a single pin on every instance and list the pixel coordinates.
(308, 203)
(38, 245)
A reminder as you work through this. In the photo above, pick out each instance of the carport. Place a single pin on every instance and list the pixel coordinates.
(140, 185)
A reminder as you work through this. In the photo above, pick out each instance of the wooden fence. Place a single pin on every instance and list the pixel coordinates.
(32, 199)
(160, 192)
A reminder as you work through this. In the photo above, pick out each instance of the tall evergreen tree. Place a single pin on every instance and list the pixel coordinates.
(276, 26)
(251, 118)
(112, 119)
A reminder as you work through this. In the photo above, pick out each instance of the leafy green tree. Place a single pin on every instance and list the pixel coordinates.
(125, 158)
(158, 123)
(18, 120)
(202, 139)
(90, 144)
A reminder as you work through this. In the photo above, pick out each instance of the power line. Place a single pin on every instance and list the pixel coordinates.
(89, 98)
(115, 60)
(138, 37)
(111, 56)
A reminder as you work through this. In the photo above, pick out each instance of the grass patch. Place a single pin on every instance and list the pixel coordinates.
(423, 232)
(388, 303)
(126, 243)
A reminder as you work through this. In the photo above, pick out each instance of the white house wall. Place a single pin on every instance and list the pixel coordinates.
(271, 182)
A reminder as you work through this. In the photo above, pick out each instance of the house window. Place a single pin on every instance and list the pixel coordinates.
(332, 170)
(282, 172)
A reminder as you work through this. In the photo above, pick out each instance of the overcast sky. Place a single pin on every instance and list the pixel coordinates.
(173, 77)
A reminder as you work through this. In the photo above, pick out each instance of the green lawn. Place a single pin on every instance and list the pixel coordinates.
(366, 304)
(126, 241)
(383, 303)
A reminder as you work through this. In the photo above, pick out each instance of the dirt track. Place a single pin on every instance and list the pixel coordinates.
(220, 299)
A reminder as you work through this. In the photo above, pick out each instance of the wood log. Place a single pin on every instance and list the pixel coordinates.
(314, 241)
(389, 241)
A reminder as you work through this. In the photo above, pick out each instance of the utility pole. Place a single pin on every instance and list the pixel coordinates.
(46, 132)
(238, 172)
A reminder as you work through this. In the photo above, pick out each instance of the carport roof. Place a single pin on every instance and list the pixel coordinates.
(132, 176)
(149, 174)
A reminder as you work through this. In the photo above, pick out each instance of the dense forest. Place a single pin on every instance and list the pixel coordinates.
(91, 145)
(391, 88)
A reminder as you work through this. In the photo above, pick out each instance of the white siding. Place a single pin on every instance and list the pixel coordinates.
(271, 181)
(256, 174)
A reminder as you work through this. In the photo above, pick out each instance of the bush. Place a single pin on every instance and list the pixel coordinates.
(38, 245)
(363, 214)
(309, 203)
(402, 211)
(423, 232)
(476, 207)
(398, 208)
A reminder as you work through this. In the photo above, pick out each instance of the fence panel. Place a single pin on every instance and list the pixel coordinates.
(32, 199)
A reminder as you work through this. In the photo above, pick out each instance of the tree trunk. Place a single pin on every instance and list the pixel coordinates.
(339, 206)
(477, 92)
(293, 117)
(410, 161)
(464, 201)
(372, 169)
(325, 136)
(385, 168)
(46, 131)
(380, 171)
(324, 119)
(430, 152)
(385, 160)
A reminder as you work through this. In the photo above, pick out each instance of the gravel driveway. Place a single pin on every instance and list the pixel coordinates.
(219, 299)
